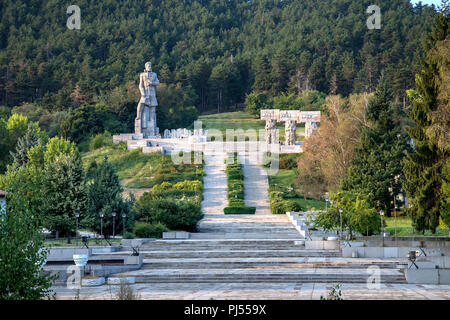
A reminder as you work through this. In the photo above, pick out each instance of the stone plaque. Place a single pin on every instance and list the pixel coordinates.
(286, 115)
(309, 116)
(270, 114)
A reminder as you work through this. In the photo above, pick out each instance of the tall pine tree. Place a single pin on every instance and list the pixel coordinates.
(377, 169)
(424, 165)
(105, 196)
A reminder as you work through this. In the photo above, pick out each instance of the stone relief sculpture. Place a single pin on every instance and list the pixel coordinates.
(271, 131)
(145, 122)
(290, 132)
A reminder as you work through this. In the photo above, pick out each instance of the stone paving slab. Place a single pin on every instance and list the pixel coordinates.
(256, 291)
(279, 270)
(336, 260)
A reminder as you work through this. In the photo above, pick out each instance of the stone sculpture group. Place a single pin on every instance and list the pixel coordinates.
(290, 118)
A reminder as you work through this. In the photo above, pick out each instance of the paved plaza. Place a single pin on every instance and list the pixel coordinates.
(274, 291)
(254, 257)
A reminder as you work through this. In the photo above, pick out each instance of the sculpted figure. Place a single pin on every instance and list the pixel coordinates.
(271, 131)
(290, 132)
(145, 122)
(148, 81)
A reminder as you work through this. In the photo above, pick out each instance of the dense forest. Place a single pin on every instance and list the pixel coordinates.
(208, 54)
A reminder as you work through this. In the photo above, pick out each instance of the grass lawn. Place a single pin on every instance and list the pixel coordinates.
(240, 120)
(404, 227)
(284, 180)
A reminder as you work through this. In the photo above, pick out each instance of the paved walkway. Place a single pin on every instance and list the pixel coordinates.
(264, 291)
(214, 185)
(253, 257)
(256, 186)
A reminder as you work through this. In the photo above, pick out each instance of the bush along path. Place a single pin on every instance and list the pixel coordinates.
(235, 183)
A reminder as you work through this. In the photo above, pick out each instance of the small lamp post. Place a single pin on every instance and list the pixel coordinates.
(327, 202)
(124, 216)
(381, 220)
(77, 215)
(340, 217)
(114, 223)
(101, 226)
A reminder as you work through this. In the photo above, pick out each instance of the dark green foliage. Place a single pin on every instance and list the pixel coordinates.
(174, 194)
(100, 140)
(255, 101)
(213, 51)
(147, 230)
(239, 210)
(235, 184)
(22, 253)
(357, 214)
(30, 139)
(279, 204)
(104, 191)
(288, 161)
(129, 235)
(377, 169)
(65, 193)
(176, 215)
(423, 166)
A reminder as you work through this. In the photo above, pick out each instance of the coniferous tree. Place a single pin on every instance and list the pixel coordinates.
(105, 196)
(377, 169)
(423, 166)
(65, 193)
(30, 139)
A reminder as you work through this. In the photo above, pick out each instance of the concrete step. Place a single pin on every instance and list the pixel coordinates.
(267, 278)
(258, 264)
(239, 253)
(235, 235)
(265, 230)
(220, 242)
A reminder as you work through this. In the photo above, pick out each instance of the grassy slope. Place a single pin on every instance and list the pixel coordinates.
(283, 180)
(139, 172)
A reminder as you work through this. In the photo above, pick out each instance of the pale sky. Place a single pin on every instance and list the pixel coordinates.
(435, 2)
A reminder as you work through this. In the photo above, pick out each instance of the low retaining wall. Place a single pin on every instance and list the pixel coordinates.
(322, 245)
(427, 276)
(61, 272)
(425, 242)
(176, 235)
(385, 252)
(135, 243)
(65, 254)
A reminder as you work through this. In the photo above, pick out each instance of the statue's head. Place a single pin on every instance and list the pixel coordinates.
(148, 66)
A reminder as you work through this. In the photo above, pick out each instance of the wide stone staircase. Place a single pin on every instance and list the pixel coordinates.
(253, 261)
(261, 248)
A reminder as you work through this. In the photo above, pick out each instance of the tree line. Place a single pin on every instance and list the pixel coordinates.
(369, 150)
(208, 55)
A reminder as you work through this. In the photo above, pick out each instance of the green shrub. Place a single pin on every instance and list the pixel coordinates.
(161, 187)
(288, 161)
(176, 215)
(236, 203)
(147, 230)
(277, 207)
(280, 206)
(239, 210)
(195, 185)
(291, 205)
(129, 235)
(100, 140)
